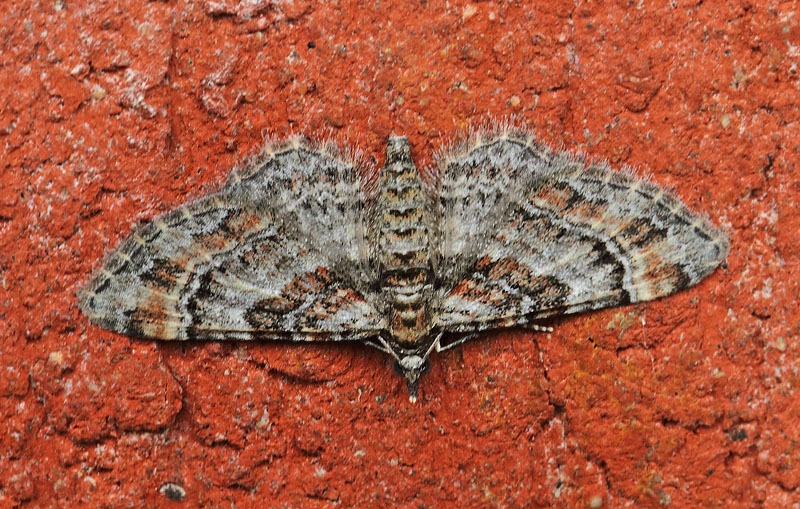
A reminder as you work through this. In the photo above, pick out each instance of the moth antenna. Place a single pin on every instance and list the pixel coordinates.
(388, 348)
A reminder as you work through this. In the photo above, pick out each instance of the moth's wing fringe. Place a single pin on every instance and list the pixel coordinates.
(327, 144)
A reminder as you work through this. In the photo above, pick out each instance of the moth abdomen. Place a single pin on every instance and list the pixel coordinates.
(403, 244)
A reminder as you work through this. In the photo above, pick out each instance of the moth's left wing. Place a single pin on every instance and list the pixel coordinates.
(279, 253)
(527, 232)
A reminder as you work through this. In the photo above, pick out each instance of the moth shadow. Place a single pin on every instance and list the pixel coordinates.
(312, 362)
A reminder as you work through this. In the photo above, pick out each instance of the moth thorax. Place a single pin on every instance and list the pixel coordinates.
(402, 232)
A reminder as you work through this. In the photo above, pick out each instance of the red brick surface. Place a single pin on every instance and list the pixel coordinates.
(113, 112)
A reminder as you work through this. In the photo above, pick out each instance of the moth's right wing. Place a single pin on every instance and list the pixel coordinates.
(280, 252)
(526, 232)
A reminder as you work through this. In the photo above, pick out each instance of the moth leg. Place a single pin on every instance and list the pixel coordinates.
(472, 335)
(462, 339)
(536, 327)
(436, 345)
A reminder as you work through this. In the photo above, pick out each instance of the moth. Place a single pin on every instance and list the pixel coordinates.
(307, 242)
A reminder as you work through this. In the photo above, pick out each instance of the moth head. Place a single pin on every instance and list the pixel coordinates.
(412, 367)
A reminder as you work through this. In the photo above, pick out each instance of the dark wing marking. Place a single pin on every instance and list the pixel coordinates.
(526, 232)
(280, 252)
